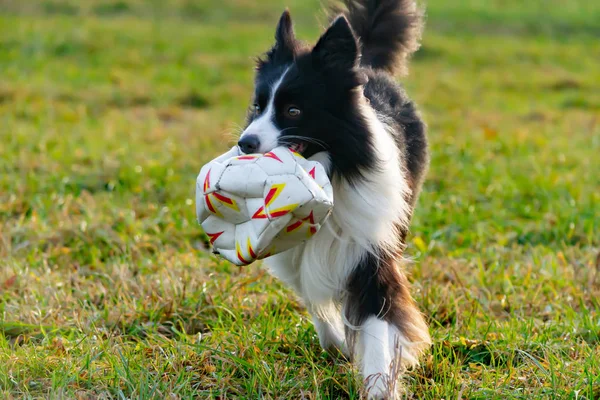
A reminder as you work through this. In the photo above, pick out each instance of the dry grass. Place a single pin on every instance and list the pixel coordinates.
(109, 109)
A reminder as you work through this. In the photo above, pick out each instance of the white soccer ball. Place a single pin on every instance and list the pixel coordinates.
(257, 205)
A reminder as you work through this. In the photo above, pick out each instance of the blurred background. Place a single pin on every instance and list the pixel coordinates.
(108, 109)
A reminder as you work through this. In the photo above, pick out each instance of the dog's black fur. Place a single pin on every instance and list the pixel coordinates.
(324, 82)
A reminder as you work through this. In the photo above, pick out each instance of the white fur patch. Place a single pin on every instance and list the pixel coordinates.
(383, 353)
(263, 126)
(330, 327)
(375, 356)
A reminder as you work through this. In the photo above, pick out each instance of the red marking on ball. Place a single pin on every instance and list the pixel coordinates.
(273, 156)
(214, 236)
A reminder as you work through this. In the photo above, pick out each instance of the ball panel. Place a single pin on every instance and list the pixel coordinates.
(206, 183)
(270, 251)
(209, 176)
(284, 194)
(201, 211)
(226, 206)
(315, 209)
(318, 206)
(279, 161)
(246, 243)
(256, 211)
(266, 240)
(221, 234)
(299, 229)
(229, 255)
(317, 172)
(282, 243)
(243, 180)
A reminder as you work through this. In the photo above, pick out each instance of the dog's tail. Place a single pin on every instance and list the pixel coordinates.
(389, 31)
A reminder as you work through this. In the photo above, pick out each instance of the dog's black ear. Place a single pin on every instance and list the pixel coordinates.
(284, 35)
(284, 49)
(285, 40)
(337, 48)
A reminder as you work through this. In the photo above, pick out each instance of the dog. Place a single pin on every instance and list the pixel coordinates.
(337, 102)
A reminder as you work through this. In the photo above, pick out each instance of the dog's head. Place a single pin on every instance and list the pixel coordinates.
(306, 98)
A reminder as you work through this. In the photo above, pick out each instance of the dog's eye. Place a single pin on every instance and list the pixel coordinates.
(293, 112)
(256, 108)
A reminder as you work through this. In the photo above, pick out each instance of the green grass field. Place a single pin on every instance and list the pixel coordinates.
(108, 109)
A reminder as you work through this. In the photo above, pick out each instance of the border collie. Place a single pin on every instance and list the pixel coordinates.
(338, 103)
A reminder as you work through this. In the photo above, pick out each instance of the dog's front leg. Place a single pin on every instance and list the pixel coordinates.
(385, 329)
(330, 328)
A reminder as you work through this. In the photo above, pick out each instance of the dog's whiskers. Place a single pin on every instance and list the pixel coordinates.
(309, 139)
(233, 133)
(286, 140)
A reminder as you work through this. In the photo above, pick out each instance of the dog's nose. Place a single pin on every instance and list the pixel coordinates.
(249, 144)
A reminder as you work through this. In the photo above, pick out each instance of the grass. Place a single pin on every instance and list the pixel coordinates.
(108, 109)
